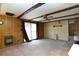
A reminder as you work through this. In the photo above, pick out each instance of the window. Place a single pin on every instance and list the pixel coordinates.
(31, 30)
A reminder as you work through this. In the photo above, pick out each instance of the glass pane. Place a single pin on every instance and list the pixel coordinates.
(27, 28)
(33, 35)
(33, 31)
(33, 27)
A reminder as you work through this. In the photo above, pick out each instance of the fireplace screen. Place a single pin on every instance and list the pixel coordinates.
(8, 40)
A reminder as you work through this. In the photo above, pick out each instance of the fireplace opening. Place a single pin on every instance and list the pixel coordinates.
(8, 40)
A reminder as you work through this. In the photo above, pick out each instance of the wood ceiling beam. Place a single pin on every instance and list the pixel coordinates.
(62, 19)
(66, 16)
(30, 21)
(31, 9)
(66, 9)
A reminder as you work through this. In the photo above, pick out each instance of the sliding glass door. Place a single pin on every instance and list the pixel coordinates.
(27, 28)
(31, 30)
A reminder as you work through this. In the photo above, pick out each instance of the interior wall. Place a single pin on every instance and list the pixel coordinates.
(40, 30)
(71, 29)
(73, 23)
(76, 27)
(71, 26)
(60, 32)
(10, 26)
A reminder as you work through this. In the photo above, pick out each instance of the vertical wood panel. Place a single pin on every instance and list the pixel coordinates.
(10, 26)
(76, 27)
(71, 29)
(40, 30)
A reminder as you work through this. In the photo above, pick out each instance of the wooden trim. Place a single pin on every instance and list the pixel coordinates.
(31, 9)
(62, 20)
(24, 32)
(40, 30)
(30, 21)
(66, 9)
(65, 16)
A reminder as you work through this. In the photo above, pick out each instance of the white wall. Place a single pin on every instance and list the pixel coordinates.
(62, 32)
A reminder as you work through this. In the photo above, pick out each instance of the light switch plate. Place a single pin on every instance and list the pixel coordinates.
(1, 22)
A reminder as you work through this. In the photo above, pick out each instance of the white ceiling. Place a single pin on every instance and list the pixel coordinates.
(65, 13)
(47, 8)
(19, 8)
(60, 18)
(16, 8)
(69, 12)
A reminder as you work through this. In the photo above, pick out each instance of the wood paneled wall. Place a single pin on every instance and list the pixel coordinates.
(10, 26)
(71, 29)
(40, 30)
(76, 27)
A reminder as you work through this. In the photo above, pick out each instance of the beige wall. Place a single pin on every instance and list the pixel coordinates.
(50, 32)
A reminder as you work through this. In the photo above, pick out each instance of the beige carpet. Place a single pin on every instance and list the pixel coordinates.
(43, 47)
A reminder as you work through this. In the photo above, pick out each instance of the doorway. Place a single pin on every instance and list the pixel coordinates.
(31, 30)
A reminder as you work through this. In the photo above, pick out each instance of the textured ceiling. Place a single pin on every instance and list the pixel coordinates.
(47, 8)
(19, 8)
(16, 8)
